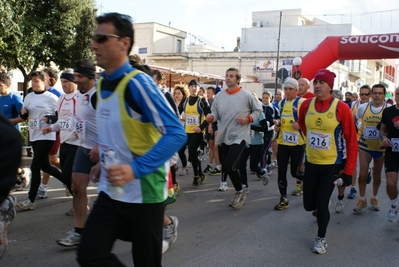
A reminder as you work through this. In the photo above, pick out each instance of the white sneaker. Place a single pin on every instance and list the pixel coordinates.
(184, 172)
(72, 239)
(274, 164)
(165, 246)
(170, 231)
(320, 246)
(239, 199)
(339, 206)
(246, 189)
(223, 186)
(265, 178)
(41, 193)
(26, 205)
(393, 213)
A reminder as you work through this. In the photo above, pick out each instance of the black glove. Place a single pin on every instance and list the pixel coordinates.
(346, 178)
(25, 116)
(51, 119)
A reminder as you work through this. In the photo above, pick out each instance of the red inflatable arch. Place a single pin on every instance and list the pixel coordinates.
(374, 46)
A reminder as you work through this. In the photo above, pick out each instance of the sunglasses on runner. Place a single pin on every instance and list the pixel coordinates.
(102, 37)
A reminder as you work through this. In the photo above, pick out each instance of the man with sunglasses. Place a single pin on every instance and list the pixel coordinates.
(370, 145)
(137, 135)
(365, 95)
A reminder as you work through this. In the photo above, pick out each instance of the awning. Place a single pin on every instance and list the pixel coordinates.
(174, 76)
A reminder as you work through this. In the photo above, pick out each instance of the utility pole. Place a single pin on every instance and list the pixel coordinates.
(278, 52)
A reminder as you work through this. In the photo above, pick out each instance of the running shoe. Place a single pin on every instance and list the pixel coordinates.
(3, 239)
(361, 204)
(165, 246)
(223, 186)
(352, 193)
(208, 168)
(176, 188)
(70, 212)
(393, 213)
(170, 231)
(264, 177)
(196, 181)
(283, 204)
(339, 206)
(72, 239)
(246, 189)
(239, 199)
(215, 172)
(374, 204)
(274, 164)
(184, 171)
(8, 214)
(26, 205)
(298, 190)
(41, 193)
(19, 182)
(320, 246)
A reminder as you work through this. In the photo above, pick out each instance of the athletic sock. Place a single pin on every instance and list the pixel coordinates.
(79, 230)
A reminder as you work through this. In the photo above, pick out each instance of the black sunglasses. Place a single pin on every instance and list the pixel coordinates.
(362, 94)
(102, 37)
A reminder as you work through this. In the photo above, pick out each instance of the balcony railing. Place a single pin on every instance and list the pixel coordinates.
(360, 69)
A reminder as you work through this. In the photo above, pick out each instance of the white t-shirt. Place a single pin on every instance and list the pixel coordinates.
(38, 106)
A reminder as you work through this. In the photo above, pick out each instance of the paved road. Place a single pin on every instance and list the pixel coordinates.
(213, 234)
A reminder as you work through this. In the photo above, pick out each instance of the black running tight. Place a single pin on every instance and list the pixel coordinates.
(41, 161)
(318, 185)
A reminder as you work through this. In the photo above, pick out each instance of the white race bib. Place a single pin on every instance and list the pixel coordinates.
(319, 141)
(66, 124)
(395, 144)
(34, 123)
(371, 132)
(291, 138)
(192, 120)
(80, 126)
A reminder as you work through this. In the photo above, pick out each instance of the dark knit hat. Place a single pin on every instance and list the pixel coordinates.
(68, 74)
(326, 76)
(193, 82)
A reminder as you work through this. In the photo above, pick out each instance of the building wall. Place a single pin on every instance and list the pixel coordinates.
(293, 38)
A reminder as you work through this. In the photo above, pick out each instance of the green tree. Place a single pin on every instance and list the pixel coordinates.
(35, 33)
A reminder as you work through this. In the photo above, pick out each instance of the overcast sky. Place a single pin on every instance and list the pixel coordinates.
(221, 21)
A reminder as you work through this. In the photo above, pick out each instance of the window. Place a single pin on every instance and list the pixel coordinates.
(178, 46)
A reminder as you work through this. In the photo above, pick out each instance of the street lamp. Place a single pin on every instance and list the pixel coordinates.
(297, 61)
